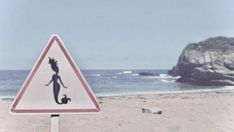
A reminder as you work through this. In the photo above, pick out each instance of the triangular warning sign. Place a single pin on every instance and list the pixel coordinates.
(55, 85)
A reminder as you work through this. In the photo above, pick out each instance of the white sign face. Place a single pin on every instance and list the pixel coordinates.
(55, 85)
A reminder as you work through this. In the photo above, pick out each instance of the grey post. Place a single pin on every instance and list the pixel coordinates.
(54, 123)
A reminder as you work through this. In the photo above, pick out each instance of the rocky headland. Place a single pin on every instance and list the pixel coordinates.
(209, 62)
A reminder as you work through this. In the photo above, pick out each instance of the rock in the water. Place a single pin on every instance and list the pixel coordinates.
(210, 62)
(152, 110)
(146, 73)
(174, 71)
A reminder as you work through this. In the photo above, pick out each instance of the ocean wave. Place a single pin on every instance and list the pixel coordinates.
(134, 74)
(125, 72)
(167, 80)
(94, 75)
(167, 76)
(7, 97)
(163, 76)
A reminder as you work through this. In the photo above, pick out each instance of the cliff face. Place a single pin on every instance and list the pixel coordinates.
(210, 62)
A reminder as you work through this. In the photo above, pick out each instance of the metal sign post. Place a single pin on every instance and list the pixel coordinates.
(54, 123)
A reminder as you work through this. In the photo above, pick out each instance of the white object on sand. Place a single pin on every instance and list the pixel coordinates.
(153, 110)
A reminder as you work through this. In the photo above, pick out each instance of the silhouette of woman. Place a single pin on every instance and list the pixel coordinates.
(56, 85)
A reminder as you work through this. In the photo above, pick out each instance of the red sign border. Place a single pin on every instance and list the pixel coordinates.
(33, 72)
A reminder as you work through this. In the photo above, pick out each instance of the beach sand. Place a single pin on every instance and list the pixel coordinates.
(184, 112)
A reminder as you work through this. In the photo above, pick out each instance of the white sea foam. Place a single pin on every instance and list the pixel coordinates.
(134, 74)
(168, 76)
(167, 80)
(163, 76)
(125, 72)
(95, 75)
(7, 97)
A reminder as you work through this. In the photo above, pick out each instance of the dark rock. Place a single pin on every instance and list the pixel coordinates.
(174, 71)
(147, 74)
(210, 62)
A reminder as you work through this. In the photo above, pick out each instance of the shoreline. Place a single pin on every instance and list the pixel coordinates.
(225, 89)
(98, 95)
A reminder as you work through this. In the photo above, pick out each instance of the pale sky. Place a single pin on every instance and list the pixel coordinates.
(110, 34)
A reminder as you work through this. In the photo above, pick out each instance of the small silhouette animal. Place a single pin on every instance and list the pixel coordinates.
(65, 99)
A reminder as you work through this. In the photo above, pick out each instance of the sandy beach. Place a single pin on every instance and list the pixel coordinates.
(181, 112)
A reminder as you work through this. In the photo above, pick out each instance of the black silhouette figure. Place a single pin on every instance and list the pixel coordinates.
(56, 86)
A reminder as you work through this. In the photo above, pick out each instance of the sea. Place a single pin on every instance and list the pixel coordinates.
(113, 82)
